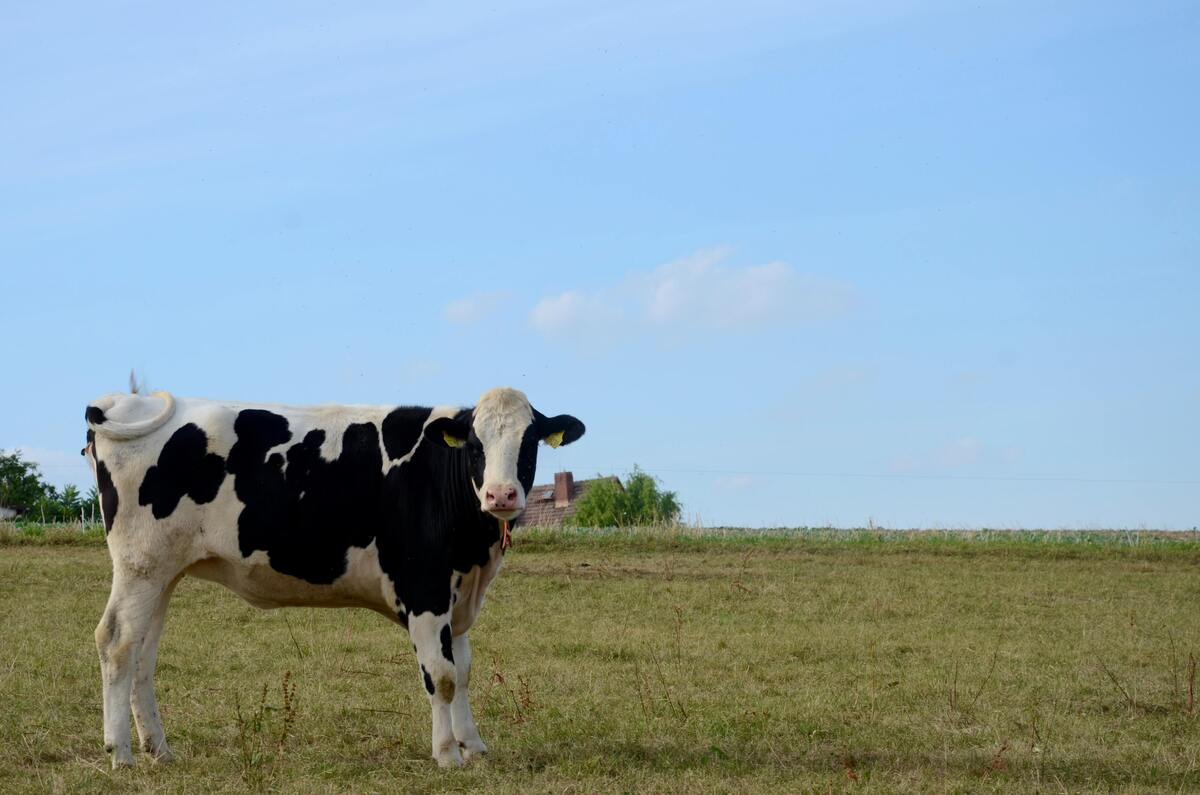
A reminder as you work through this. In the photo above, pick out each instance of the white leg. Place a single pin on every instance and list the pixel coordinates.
(431, 637)
(119, 638)
(465, 730)
(151, 736)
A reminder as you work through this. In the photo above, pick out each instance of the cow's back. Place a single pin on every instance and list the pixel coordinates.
(283, 504)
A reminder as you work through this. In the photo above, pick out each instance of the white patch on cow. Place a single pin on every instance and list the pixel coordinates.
(331, 447)
(501, 417)
(471, 590)
(387, 587)
(364, 577)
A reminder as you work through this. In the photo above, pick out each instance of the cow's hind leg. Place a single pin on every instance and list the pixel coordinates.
(465, 730)
(119, 638)
(146, 718)
(432, 641)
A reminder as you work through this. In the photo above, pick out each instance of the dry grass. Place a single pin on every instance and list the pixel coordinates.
(654, 662)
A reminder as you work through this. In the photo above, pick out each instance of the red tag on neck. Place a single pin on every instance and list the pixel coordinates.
(505, 536)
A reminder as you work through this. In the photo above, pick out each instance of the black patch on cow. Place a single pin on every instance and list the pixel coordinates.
(305, 516)
(458, 582)
(94, 415)
(108, 494)
(185, 467)
(428, 680)
(447, 640)
(402, 429)
(434, 525)
(527, 458)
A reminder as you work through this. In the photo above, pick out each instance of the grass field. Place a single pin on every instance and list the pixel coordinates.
(655, 661)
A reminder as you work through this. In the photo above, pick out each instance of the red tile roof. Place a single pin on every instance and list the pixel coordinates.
(540, 510)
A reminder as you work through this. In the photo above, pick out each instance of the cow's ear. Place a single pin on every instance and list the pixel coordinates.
(447, 432)
(560, 430)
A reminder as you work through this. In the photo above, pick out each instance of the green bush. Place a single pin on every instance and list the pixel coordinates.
(641, 502)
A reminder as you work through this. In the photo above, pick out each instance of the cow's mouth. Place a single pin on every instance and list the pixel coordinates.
(506, 516)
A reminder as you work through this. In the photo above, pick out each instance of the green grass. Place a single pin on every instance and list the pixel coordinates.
(665, 660)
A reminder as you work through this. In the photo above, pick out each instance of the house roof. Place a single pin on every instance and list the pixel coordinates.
(540, 510)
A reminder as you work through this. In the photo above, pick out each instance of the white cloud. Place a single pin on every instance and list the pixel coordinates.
(700, 292)
(904, 464)
(964, 453)
(1010, 455)
(476, 307)
(735, 482)
(592, 319)
(959, 453)
(556, 312)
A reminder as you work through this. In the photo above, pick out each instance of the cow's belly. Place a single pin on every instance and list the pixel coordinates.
(254, 580)
(471, 590)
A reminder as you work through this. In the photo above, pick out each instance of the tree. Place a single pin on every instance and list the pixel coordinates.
(640, 502)
(22, 487)
(21, 484)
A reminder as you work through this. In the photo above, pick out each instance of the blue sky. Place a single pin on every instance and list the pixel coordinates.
(931, 264)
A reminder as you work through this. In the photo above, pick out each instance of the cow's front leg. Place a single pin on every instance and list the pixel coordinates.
(435, 656)
(465, 730)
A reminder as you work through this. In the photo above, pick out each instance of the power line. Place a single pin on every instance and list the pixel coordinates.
(905, 476)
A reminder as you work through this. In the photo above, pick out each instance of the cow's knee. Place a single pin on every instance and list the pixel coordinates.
(439, 678)
(112, 644)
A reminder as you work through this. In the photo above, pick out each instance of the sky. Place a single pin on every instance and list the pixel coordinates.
(916, 264)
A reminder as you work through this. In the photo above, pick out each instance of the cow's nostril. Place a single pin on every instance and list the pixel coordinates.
(491, 497)
(512, 494)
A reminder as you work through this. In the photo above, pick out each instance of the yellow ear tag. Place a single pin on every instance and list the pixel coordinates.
(554, 439)
(452, 441)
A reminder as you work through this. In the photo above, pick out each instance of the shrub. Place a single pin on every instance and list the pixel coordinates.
(640, 502)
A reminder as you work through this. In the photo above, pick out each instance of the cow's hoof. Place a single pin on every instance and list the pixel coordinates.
(450, 757)
(160, 754)
(472, 751)
(122, 760)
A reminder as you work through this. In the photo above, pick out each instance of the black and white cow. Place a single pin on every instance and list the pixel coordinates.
(394, 509)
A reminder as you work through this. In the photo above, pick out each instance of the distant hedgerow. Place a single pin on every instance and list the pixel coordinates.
(22, 488)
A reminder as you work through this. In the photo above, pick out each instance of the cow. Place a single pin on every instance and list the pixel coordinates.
(401, 510)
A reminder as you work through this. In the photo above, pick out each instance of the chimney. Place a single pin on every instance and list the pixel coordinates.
(564, 488)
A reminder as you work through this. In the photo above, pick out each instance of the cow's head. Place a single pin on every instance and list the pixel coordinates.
(500, 437)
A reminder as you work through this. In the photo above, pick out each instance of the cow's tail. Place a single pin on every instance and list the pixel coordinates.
(101, 424)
